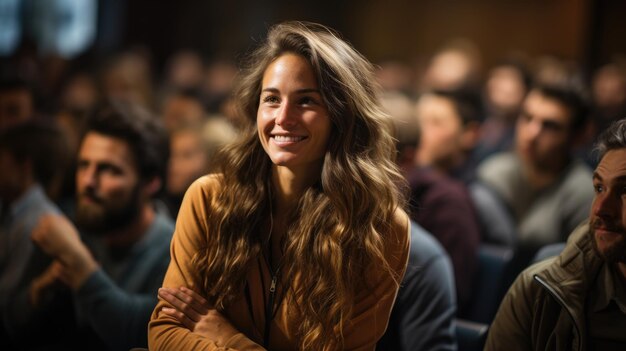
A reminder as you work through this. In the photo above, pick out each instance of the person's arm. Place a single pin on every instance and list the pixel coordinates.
(373, 304)
(118, 317)
(426, 307)
(165, 332)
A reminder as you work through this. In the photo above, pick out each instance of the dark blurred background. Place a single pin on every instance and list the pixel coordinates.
(586, 31)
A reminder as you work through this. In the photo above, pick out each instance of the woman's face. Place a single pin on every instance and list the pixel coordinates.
(292, 119)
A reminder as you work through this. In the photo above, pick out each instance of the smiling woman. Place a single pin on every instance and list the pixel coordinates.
(301, 239)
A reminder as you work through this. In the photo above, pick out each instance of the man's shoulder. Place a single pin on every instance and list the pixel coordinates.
(503, 161)
(501, 172)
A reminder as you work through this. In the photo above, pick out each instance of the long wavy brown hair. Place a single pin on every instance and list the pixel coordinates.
(338, 230)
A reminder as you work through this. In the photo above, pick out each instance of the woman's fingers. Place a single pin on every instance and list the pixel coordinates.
(180, 316)
(198, 302)
(186, 301)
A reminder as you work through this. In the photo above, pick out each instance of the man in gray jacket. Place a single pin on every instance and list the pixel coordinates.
(577, 301)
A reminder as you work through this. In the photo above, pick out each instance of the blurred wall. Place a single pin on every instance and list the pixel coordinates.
(587, 31)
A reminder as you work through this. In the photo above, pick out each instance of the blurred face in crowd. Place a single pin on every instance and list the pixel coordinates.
(109, 195)
(16, 106)
(543, 133)
(292, 119)
(180, 110)
(441, 132)
(449, 69)
(608, 212)
(609, 89)
(188, 161)
(505, 90)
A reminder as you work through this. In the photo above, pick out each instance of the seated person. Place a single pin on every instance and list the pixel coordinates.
(301, 240)
(112, 275)
(423, 316)
(544, 187)
(32, 158)
(449, 122)
(577, 300)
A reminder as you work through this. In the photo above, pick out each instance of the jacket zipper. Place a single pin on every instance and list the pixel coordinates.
(558, 298)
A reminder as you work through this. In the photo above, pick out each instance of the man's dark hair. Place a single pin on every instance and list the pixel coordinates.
(41, 143)
(572, 95)
(613, 138)
(142, 131)
(467, 103)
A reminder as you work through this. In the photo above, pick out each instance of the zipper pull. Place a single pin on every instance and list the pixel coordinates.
(273, 285)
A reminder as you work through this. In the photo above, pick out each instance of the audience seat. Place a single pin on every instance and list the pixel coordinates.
(548, 251)
(471, 336)
(489, 283)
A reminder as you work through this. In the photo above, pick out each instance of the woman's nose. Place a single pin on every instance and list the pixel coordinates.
(285, 115)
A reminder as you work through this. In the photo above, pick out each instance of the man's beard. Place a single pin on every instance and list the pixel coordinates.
(615, 253)
(102, 218)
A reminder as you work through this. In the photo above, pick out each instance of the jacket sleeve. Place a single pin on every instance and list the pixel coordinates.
(373, 304)
(164, 332)
(118, 317)
(429, 308)
(512, 325)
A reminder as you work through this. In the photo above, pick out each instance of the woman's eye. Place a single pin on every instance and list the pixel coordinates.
(307, 100)
(271, 99)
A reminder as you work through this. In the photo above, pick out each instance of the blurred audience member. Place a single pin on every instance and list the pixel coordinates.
(609, 94)
(128, 76)
(578, 299)
(17, 102)
(182, 107)
(115, 270)
(450, 123)
(505, 90)
(543, 185)
(79, 92)
(439, 204)
(457, 65)
(444, 208)
(184, 70)
(608, 88)
(218, 85)
(423, 315)
(31, 157)
(401, 109)
(395, 76)
(192, 149)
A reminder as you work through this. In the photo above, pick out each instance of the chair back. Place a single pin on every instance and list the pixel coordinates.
(471, 336)
(489, 283)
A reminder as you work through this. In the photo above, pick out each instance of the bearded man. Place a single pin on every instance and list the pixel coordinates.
(577, 301)
(115, 266)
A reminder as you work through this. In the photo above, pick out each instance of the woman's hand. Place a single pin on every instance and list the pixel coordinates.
(194, 312)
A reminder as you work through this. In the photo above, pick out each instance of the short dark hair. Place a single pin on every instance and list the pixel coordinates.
(41, 143)
(467, 103)
(143, 132)
(613, 138)
(572, 95)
